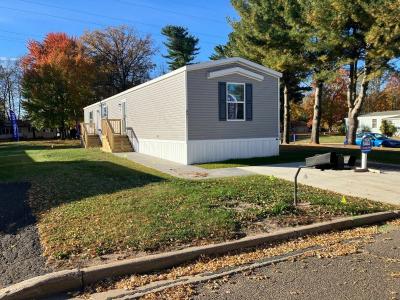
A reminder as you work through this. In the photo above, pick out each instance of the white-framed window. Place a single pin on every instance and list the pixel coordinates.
(374, 123)
(235, 101)
(91, 117)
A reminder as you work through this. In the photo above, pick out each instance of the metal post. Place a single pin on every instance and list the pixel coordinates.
(295, 186)
(364, 157)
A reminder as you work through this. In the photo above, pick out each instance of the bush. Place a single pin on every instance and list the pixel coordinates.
(341, 129)
(388, 128)
(365, 128)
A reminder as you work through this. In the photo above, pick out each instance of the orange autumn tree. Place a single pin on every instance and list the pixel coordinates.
(387, 98)
(334, 102)
(57, 81)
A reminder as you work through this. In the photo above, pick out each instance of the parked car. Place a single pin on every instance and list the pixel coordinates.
(378, 140)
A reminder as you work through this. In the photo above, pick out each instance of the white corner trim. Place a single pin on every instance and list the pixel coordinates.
(236, 70)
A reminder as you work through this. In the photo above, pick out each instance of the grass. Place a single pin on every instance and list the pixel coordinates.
(324, 139)
(295, 153)
(89, 203)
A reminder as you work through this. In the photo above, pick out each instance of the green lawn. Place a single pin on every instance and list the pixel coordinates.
(324, 139)
(295, 153)
(89, 203)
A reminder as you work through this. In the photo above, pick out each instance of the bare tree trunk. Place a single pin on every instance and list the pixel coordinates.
(316, 124)
(355, 105)
(286, 116)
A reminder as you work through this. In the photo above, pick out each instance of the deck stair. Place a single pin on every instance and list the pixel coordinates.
(114, 140)
(89, 137)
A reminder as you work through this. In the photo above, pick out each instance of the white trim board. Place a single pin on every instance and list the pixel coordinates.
(236, 70)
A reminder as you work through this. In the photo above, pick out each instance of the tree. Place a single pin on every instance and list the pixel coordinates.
(223, 51)
(56, 82)
(386, 96)
(10, 89)
(181, 46)
(365, 36)
(266, 33)
(387, 128)
(122, 57)
(333, 103)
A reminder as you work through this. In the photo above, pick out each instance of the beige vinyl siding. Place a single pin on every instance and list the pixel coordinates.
(203, 117)
(155, 111)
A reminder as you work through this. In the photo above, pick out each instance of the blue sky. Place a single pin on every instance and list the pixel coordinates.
(21, 20)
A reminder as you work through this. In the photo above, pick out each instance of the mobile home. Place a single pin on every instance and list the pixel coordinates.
(204, 112)
(373, 121)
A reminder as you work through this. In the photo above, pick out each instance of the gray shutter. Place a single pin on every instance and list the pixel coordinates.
(249, 102)
(222, 100)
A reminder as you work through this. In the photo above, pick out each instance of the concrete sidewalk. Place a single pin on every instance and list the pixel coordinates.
(179, 170)
(384, 187)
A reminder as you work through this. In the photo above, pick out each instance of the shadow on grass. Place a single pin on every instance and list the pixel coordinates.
(12, 148)
(14, 209)
(54, 183)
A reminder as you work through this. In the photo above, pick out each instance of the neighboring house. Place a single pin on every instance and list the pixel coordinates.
(203, 112)
(373, 120)
(299, 127)
(26, 131)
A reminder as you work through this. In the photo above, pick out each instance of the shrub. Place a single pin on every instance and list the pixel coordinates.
(388, 128)
(365, 128)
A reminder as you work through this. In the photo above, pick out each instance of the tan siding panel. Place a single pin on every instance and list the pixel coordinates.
(156, 111)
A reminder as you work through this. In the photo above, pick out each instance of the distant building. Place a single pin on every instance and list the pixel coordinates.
(26, 131)
(373, 121)
(299, 127)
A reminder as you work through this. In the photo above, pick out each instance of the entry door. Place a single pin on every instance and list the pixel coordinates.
(123, 112)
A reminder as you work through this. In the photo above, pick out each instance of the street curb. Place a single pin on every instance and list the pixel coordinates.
(71, 280)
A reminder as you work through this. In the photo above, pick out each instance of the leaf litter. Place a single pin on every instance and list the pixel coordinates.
(333, 244)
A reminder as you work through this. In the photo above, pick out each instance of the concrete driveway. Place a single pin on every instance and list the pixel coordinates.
(383, 187)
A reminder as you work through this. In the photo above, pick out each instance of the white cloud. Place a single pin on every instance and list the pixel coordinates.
(5, 58)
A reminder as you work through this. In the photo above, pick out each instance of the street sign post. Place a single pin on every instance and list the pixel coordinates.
(366, 147)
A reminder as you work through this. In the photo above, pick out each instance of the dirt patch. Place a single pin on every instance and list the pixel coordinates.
(20, 250)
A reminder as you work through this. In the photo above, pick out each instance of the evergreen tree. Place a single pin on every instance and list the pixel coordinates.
(365, 36)
(182, 46)
(224, 51)
(267, 33)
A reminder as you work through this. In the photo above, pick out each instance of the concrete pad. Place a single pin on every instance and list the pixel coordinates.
(180, 170)
(383, 187)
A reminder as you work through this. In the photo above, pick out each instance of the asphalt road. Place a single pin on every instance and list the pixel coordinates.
(373, 273)
(20, 250)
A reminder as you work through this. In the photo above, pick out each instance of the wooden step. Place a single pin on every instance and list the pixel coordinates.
(93, 142)
(122, 144)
